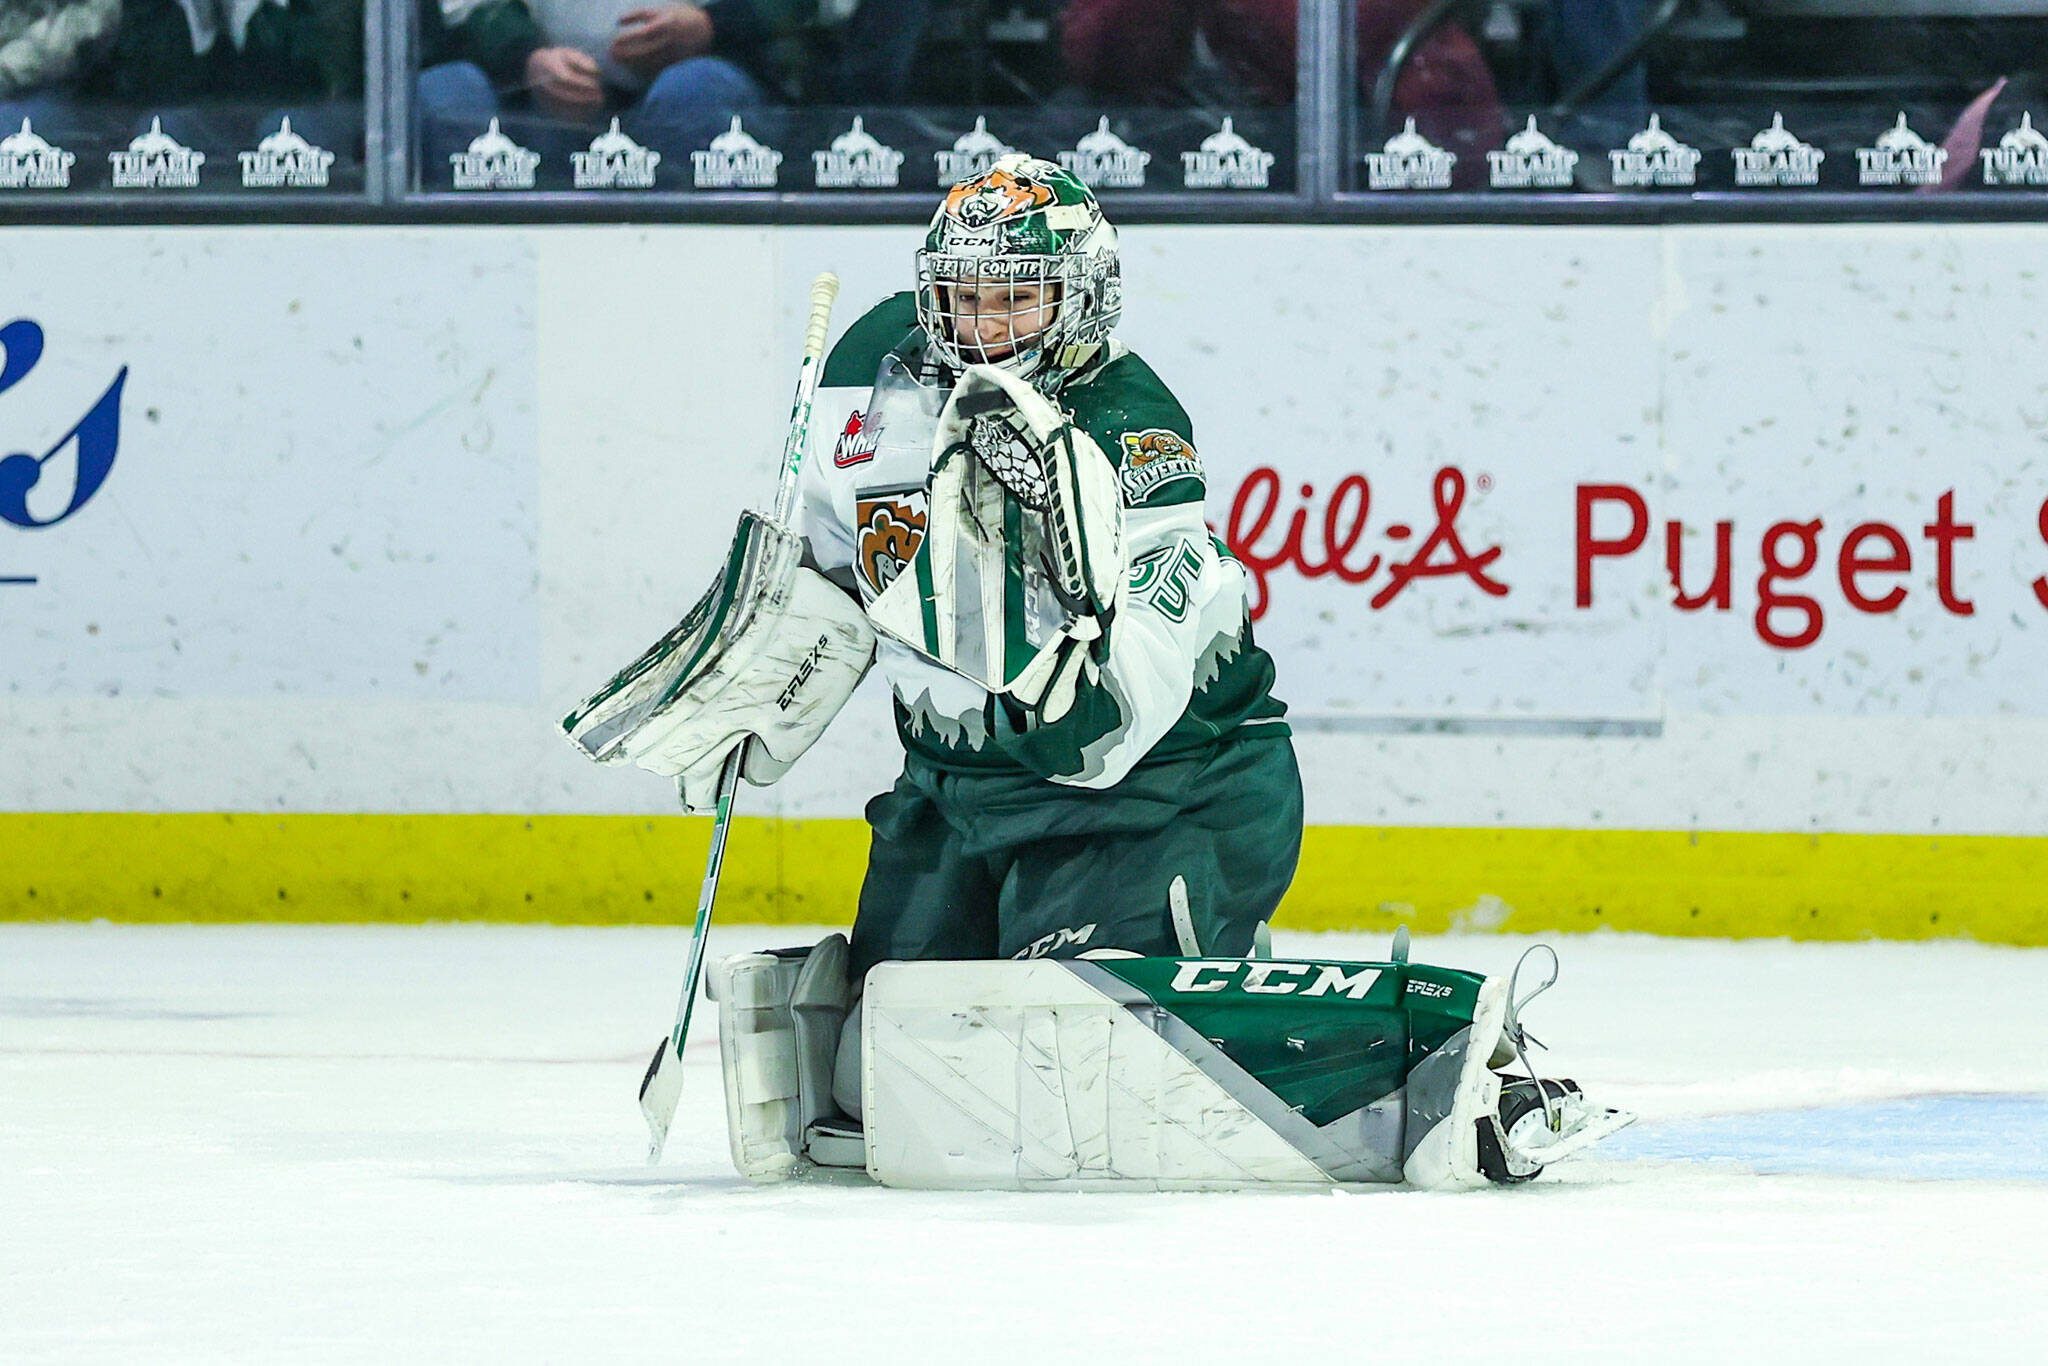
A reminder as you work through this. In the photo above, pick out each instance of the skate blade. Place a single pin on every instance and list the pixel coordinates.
(1583, 1132)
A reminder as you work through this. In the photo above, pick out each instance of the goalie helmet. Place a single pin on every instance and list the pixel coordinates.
(1024, 221)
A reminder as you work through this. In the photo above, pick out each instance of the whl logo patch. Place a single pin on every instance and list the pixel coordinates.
(856, 444)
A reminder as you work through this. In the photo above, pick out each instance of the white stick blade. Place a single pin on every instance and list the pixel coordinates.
(659, 1091)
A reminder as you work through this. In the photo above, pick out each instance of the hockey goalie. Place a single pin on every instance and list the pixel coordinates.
(1058, 974)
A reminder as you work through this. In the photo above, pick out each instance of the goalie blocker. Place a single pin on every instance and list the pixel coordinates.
(1134, 1073)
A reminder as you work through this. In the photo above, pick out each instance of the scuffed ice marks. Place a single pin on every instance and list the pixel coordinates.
(110, 1008)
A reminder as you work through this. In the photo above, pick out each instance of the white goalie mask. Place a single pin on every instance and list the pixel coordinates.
(1019, 270)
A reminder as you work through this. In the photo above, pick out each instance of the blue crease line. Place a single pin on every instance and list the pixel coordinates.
(1959, 1137)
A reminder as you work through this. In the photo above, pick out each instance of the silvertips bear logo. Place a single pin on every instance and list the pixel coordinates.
(614, 161)
(1531, 161)
(1901, 157)
(156, 161)
(494, 162)
(1103, 161)
(284, 160)
(28, 162)
(975, 152)
(1225, 161)
(1153, 457)
(857, 160)
(1777, 159)
(1655, 159)
(736, 160)
(2021, 157)
(888, 527)
(1409, 161)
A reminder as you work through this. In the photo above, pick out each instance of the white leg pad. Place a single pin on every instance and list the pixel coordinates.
(778, 1035)
(757, 1053)
(1443, 1126)
(1021, 1076)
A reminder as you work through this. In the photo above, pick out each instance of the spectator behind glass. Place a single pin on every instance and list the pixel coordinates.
(44, 47)
(223, 73)
(1143, 52)
(1584, 36)
(676, 73)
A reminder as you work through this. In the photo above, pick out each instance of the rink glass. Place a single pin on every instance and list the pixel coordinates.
(860, 110)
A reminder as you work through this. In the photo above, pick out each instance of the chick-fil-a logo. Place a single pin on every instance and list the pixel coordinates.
(1333, 548)
(94, 439)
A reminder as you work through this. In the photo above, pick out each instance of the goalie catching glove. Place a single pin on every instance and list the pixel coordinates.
(770, 653)
(1023, 562)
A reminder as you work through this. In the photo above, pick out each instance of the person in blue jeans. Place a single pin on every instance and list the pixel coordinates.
(555, 73)
(1584, 35)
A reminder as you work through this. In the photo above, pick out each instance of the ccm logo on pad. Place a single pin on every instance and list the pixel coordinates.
(1268, 978)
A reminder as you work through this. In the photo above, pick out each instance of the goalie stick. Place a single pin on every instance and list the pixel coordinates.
(662, 1087)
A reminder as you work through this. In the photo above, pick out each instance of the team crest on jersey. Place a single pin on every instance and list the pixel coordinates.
(856, 444)
(996, 196)
(1153, 457)
(888, 527)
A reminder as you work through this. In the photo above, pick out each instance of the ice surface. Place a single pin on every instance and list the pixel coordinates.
(349, 1144)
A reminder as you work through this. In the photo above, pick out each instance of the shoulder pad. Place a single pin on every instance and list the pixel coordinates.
(1140, 425)
(858, 354)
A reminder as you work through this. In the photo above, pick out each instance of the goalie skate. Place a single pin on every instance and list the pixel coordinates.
(1538, 1122)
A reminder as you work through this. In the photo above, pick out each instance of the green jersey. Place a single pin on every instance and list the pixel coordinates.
(1180, 671)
